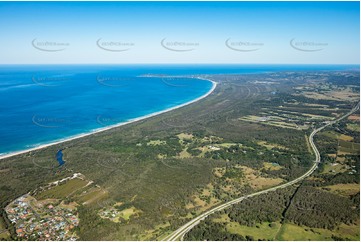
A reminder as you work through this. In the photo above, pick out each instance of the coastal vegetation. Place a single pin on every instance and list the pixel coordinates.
(154, 175)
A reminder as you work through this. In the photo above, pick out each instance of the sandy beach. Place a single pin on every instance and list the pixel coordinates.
(214, 84)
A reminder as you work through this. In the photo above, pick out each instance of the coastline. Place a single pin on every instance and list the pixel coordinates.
(95, 131)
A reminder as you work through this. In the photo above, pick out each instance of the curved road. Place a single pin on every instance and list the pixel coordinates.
(179, 233)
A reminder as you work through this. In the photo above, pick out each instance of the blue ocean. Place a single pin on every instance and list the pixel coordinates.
(40, 104)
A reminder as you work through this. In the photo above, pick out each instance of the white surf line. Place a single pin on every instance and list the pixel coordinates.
(214, 85)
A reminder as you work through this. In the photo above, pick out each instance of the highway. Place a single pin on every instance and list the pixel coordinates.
(179, 233)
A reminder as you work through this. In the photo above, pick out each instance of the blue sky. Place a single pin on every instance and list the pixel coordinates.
(192, 32)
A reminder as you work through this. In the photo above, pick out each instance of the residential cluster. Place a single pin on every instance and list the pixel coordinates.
(42, 220)
(111, 213)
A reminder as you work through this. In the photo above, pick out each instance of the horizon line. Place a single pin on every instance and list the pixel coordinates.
(358, 64)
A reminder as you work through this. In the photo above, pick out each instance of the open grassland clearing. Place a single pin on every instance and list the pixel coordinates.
(272, 166)
(157, 142)
(354, 117)
(227, 145)
(346, 147)
(258, 182)
(331, 134)
(336, 93)
(345, 144)
(92, 195)
(200, 203)
(353, 127)
(344, 189)
(283, 111)
(334, 168)
(219, 172)
(128, 212)
(189, 137)
(344, 137)
(193, 146)
(273, 121)
(292, 232)
(62, 191)
(246, 176)
(183, 154)
(185, 136)
(203, 199)
(323, 107)
(271, 145)
(285, 116)
(78, 189)
(158, 233)
(263, 231)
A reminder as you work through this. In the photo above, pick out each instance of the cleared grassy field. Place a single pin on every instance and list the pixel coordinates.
(156, 142)
(185, 136)
(92, 196)
(348, 147)
(354, 117)
(353, 127)
(184, 154)
(336, 135)
(346, 93)
(292, 232)
(272, 166)
(62, 191)
(271, 145)
(263, 232)
(158, 233)
(256, 181)
(345, 189)
(273, 121)
(127, 213)
(334, 168)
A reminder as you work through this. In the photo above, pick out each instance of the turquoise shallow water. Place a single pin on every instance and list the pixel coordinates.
(41, 104)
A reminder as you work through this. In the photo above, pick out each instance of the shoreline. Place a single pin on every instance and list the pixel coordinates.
(95, 131)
